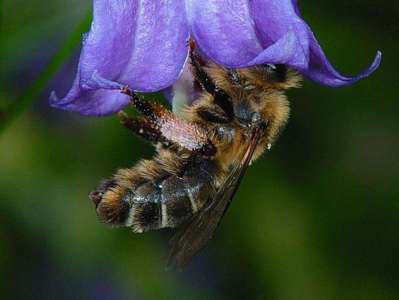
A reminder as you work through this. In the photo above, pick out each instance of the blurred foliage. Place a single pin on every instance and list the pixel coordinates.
(10, 111)
(316, 218)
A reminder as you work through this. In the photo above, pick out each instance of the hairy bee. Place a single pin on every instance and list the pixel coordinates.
(201, 155)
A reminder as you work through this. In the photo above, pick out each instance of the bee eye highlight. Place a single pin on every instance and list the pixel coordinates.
(274, 72)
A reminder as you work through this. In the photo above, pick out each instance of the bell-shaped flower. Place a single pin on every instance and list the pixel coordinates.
(144, 44)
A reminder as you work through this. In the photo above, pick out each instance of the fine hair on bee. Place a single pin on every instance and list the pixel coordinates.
(201, 155)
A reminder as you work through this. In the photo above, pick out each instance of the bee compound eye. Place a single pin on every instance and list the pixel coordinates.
(270, 67)
(274, 72)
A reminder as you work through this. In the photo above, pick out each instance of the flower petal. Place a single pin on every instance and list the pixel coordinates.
(273, 19)
(90, 102)
(286, 50)
(320, 69)
(137, 43)
(245, 33)
(224, 31)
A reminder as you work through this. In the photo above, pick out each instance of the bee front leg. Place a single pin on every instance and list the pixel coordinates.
(221, 98)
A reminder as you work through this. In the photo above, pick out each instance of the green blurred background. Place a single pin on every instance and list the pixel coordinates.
(316, 218)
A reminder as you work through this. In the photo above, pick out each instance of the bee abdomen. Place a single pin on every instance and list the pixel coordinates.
(110, 206)
(166, 201)
(167, 204)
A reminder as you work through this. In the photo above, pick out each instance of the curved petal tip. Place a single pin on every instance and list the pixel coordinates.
(320, 70)
(53, 98)
(374, 66)
(100, 102)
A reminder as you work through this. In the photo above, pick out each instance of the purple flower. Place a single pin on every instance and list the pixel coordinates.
(143, 44)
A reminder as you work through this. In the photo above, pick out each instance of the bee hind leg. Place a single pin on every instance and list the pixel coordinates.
(161, 126)
(151, 110)
(141, 127)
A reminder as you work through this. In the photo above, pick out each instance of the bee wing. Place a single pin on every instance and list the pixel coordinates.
(193, 236)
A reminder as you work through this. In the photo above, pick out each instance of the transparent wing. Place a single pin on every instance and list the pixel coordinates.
(193, 236)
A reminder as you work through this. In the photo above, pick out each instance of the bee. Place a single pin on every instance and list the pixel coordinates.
(201, 155)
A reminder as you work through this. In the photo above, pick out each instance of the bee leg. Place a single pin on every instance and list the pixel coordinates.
(221, 98)
(160, 125)
(141, 127)
(212, 114)
(152, 111)
(171, 132)
(199, 73)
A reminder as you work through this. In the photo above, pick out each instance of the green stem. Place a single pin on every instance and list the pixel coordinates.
(17, 106)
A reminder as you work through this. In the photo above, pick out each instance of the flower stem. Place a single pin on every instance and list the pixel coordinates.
(18, 105)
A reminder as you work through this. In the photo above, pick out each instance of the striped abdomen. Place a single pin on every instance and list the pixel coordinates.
(165, 201)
